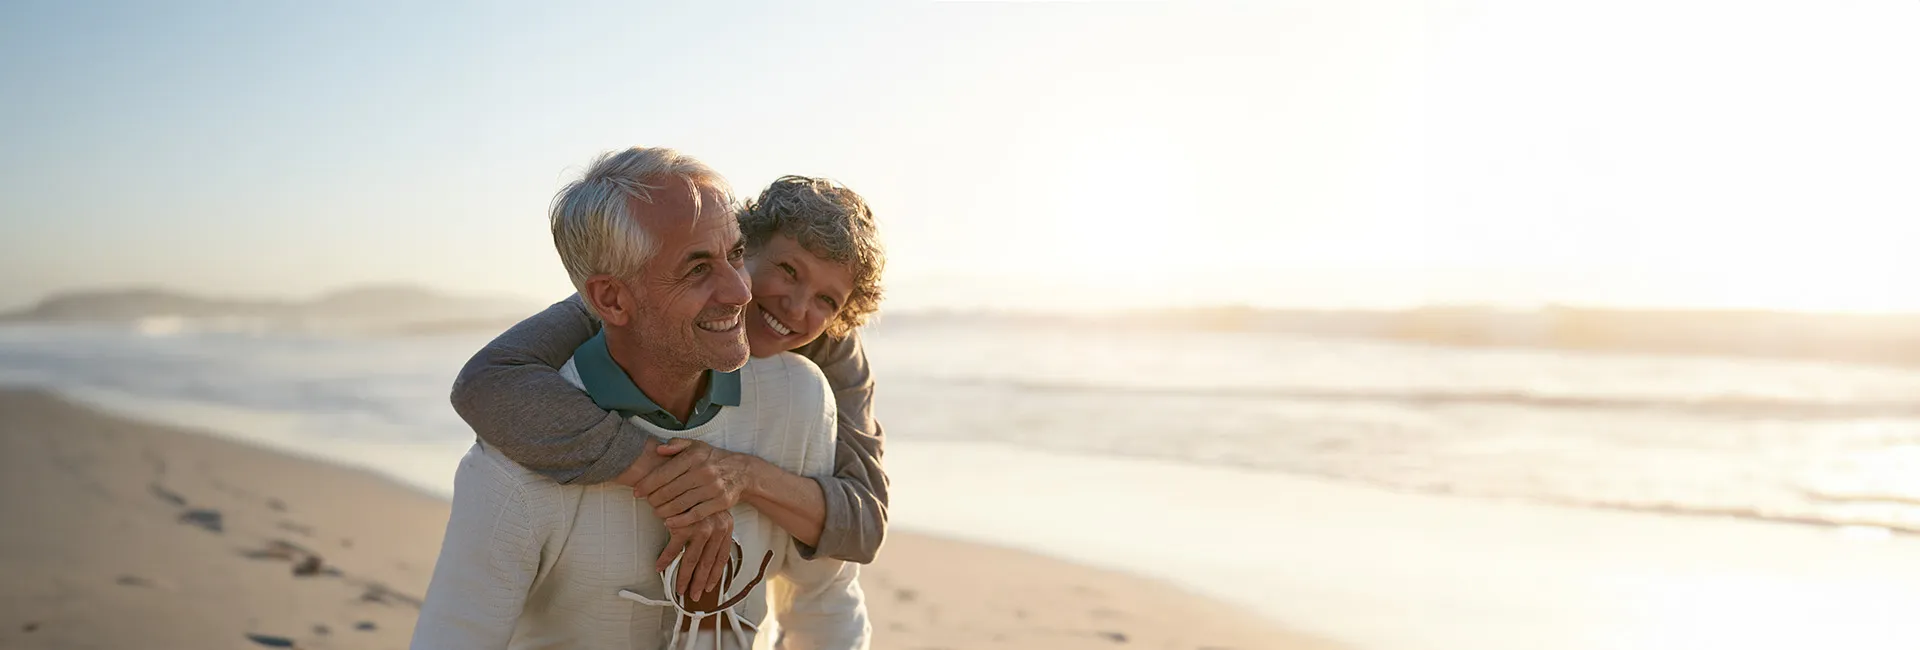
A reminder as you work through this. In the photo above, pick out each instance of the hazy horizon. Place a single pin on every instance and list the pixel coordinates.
(1021, 156)
(988, 310)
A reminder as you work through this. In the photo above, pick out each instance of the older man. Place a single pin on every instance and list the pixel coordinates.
(649, 242)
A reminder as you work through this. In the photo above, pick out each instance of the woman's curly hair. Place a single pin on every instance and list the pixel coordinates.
(830, 221)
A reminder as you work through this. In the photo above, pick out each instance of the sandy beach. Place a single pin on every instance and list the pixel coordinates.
(121, 533)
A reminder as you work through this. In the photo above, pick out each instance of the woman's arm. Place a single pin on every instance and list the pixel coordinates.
(856, 494)
(513, 396)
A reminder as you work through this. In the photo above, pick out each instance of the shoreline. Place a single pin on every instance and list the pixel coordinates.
(125, 532)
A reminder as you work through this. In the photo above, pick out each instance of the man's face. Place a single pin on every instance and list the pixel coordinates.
(795, 295)
(691, 293)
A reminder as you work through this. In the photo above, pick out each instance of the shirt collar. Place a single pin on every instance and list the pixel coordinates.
(612, 389)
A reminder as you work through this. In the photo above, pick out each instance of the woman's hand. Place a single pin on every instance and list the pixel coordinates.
(698, 482)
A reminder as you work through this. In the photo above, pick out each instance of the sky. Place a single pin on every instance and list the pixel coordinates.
(1019, 155)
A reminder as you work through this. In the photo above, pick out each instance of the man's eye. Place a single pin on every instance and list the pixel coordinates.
(737, 253)
(698, 269)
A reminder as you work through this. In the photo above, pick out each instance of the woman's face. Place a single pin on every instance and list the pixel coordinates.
(795, 295)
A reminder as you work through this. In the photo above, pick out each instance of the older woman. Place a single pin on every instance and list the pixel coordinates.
(815, 259)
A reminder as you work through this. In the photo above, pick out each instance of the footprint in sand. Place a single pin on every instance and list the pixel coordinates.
(279, 549)
(207, 518)
(379, 593)
(305, 562)
(167, 495)
(307, 567)
(136, 581)
(271, 641)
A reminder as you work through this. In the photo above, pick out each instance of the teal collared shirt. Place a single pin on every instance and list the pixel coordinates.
(612, 389)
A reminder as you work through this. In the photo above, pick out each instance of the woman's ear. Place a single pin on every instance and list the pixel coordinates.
(609, 298)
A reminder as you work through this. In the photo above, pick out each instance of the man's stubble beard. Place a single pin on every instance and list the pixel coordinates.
(715, 361)
(678, 346)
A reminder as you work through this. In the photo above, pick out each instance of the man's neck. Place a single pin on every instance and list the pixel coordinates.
(674, 389)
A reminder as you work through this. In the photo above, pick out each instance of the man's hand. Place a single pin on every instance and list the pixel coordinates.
(697, 482)
(708, 544)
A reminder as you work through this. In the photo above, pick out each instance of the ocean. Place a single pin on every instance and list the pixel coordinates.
(1765, 439)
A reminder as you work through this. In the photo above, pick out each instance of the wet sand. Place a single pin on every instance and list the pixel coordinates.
(122, 534)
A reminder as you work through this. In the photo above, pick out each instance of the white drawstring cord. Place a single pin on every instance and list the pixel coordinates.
(691, 619)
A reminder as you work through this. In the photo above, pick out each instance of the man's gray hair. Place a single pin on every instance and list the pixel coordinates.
(592, 219)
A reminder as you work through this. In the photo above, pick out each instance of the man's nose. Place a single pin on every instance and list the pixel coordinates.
(735, 287)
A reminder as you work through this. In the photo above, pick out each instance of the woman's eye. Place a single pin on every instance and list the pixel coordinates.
(831, 304)
(789, 269)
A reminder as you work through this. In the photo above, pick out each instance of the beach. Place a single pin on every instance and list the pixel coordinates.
(122, 533)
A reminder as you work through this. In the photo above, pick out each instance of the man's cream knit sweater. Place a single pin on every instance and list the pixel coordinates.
(530, 563)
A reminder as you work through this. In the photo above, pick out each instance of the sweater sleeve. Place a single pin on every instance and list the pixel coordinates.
(856, 493)
(815, 603)
(512, 394)
(487, 562)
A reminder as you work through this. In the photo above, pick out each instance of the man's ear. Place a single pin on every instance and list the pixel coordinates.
(609, 297)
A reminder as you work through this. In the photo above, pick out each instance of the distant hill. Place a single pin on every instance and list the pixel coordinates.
(365, 309)
(400, 309)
